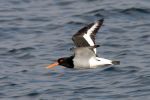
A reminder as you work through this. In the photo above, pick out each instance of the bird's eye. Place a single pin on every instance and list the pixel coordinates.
(61, 60)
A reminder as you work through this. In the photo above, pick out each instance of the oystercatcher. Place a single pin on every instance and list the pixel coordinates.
(85, 52)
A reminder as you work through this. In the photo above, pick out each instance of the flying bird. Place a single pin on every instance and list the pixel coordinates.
(85, 55)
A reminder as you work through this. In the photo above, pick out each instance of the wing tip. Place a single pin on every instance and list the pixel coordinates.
(100, 21)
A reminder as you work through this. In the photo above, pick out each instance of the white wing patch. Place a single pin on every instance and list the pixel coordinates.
(87, 35)
(92, 28)
(89, 40)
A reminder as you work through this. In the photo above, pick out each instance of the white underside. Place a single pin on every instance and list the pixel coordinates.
(96, 61)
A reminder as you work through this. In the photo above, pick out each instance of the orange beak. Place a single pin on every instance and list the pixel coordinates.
(52, 65)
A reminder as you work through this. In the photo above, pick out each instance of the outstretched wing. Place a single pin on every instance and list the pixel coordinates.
(86, 36)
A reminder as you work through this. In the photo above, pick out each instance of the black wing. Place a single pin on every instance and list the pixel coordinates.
(86, 36)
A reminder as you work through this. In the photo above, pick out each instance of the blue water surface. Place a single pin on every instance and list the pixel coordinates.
(34, 33)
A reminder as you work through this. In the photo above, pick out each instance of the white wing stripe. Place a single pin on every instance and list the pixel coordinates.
(89, 40)
(92, 28)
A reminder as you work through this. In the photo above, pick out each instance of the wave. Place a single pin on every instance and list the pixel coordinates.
(115, 11)
(21, 49)
(139, 10)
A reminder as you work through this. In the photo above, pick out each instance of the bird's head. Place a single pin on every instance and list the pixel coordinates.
(60, 61)
(65, 61)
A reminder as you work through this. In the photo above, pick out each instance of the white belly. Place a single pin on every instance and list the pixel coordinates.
(81, 63)
(95, 62)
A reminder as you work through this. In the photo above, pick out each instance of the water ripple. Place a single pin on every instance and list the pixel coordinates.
(35, 33)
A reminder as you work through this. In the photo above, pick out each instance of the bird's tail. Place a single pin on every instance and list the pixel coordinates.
(116, 62)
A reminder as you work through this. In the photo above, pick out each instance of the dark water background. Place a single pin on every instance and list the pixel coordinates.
(33, 33)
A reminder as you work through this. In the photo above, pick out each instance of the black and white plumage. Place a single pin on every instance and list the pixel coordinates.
(86, 36)
(85, 51)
